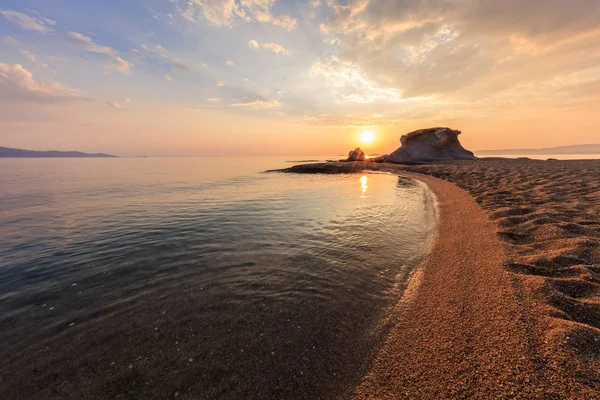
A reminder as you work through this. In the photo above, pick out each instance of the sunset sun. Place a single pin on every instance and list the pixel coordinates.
(367, 137)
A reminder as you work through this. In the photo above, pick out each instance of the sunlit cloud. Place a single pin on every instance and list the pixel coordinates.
(275, 48)
(28, 55)
(223, 13)
(161, 55)
(347, 82)
(119, 64)
(429, 48)
(257, 103)
(27, 22)
(18, 83)
(120, 103)
(221, 84)
(86, 42)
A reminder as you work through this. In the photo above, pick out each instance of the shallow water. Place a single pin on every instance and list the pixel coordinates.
(201, 278)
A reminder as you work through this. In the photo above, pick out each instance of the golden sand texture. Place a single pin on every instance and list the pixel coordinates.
(464, 334)
(486, 324)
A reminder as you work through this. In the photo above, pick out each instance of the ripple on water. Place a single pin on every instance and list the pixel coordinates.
(274, 285)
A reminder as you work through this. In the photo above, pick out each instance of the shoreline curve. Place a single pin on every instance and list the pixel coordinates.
(508, 303)
(462, 333)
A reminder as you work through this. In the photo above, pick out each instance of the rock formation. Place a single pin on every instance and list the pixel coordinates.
(427, 145)
(357, 155)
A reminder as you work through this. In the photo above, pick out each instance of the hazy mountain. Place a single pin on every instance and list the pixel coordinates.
(574, 149)
(8, 152)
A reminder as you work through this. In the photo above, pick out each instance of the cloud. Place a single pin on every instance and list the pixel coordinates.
(275, 48)
(28, 55)
(221, 84)
(17, 83)
(161, 55)
(285, 21)
(213, 99)
(120, 103)
(229, 63)
(12, 42)
(468, 49)
(119, 64)
(168, 77)
(222, 13)
(27, 22)
(86, 42)
(347, 82)
(46, 20)
(258, 103)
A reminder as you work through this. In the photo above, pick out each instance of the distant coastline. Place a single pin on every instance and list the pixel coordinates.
(573, 149)
(7, 152)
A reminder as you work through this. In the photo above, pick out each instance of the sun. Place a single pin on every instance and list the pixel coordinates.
(367, 137)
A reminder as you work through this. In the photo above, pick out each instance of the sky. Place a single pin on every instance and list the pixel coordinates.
(284, 77)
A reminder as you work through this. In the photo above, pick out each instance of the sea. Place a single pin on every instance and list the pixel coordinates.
(199, 278)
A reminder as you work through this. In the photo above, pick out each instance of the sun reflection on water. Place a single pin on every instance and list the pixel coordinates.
(364, 185)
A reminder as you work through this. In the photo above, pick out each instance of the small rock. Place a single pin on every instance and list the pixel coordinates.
(357, 155)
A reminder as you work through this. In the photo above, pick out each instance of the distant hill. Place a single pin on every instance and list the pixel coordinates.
(574, 149)
(20, 153)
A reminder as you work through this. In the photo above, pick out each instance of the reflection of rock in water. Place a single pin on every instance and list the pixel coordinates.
(433, 144)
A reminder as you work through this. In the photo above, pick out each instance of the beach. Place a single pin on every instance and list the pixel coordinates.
(506, 303)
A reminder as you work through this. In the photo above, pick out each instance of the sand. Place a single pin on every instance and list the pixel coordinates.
(507, 304)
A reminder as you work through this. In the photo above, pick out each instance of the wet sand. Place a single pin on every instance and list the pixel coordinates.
(507, 303)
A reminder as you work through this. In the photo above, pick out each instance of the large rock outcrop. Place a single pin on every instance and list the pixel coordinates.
(427, 145)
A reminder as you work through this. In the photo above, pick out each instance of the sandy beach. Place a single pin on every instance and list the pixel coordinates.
(506, 304)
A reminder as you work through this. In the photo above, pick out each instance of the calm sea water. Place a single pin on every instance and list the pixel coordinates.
(198, 278)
